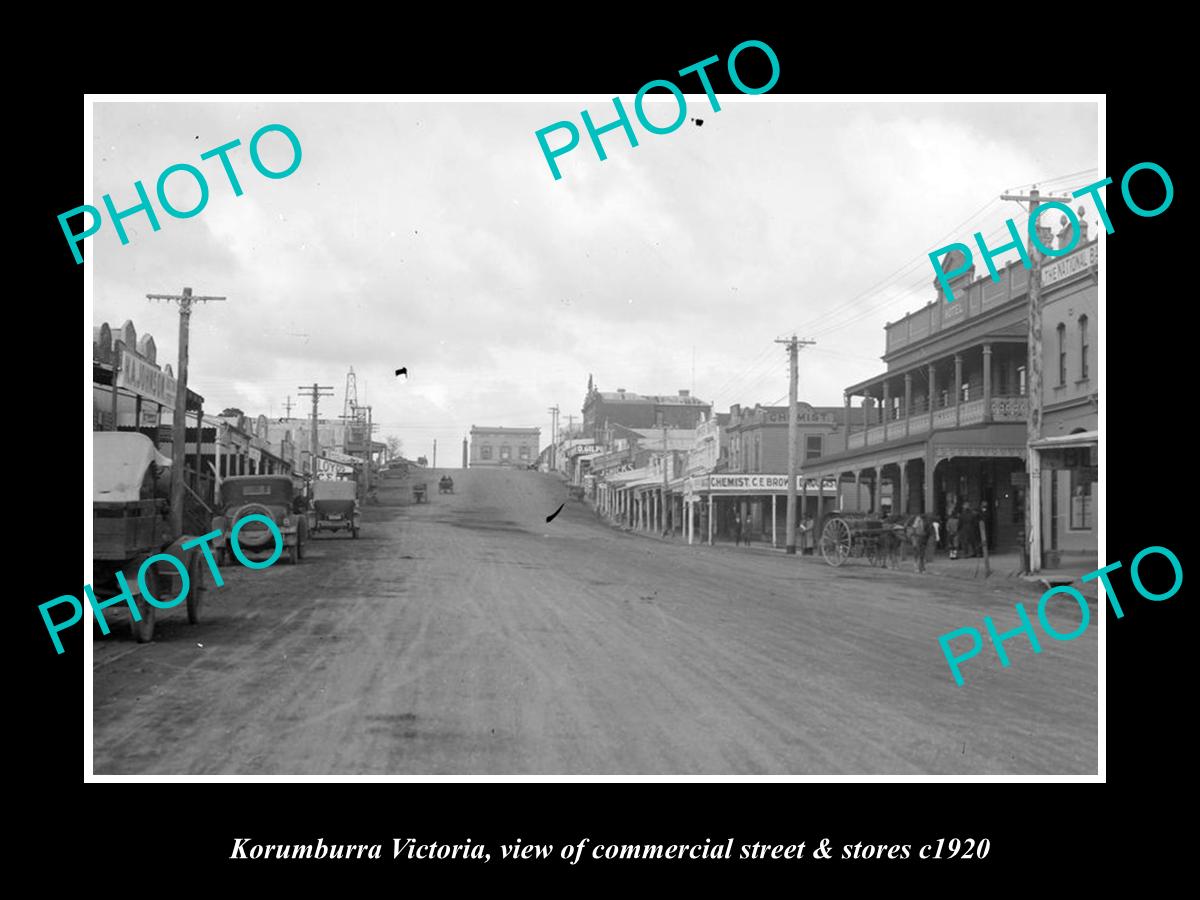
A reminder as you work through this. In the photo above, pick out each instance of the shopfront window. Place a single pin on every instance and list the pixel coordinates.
(1081, 501)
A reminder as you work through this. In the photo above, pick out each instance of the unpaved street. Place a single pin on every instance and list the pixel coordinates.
(468, 636)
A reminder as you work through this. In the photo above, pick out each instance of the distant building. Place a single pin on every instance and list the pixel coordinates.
(504, 446)
(620, 407)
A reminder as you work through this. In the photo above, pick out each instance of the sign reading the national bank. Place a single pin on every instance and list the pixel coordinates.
(1071, 265)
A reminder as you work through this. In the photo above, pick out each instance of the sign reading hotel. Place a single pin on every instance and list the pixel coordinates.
(145, 380)
(1072, 265)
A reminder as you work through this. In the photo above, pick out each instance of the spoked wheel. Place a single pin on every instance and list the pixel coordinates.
(143, 631)
(197, 588)
(835, 542)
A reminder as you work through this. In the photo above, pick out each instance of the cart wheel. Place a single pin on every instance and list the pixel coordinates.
(835, 542)
(195, 597)
(143, 631)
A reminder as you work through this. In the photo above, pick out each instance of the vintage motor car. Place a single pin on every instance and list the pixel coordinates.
(272, 496)
(335, 504)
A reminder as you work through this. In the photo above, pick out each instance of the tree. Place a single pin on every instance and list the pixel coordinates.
(395, 446)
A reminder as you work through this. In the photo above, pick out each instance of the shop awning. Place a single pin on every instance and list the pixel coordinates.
(1080, 439)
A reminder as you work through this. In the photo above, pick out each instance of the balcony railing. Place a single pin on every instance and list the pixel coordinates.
(1004, 409)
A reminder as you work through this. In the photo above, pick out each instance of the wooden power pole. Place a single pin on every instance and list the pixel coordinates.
(793, 346)
(179, 426)
(1033, 384)
(316, 392)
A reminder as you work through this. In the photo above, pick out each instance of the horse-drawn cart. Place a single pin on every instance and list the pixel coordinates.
(848, 534)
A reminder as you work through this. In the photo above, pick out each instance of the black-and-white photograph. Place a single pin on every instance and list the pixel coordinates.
(573, 437)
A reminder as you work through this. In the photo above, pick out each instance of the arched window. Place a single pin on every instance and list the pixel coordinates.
(1083, 347)
(1062, 354)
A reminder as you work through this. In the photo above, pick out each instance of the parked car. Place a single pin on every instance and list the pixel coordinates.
(335, 505)
(273, 496)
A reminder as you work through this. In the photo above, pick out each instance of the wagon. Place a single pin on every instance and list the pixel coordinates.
(848, 534)
(131, 524)
(419, 493)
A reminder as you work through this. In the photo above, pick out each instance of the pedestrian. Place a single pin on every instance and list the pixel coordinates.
(737, 528)
(968, 529)
(919, 535)
(952, 524)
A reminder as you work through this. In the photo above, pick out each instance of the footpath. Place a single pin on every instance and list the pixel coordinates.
(1002, 568)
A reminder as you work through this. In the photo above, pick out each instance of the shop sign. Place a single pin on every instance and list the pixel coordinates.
(140, 377)
(1072, 265)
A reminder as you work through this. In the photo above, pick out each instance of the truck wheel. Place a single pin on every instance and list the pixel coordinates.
(195, 597)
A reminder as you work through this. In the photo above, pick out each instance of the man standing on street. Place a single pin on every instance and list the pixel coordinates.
(919, 531)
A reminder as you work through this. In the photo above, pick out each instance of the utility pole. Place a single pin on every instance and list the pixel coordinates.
(316, 392)
(370, 441)
(664, 489)
(179, 426)
(553, 410)
(464, 465)
(1033, 384)
(435, 453)
(287, 407)
(793, 346)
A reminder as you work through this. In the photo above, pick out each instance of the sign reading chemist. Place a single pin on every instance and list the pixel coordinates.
(762, 483)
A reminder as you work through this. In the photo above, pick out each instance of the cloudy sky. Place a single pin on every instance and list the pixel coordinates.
(433, 236)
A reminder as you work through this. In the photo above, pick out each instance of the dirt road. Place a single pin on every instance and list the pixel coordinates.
(468, 636)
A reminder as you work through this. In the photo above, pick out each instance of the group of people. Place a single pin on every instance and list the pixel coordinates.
(963, 536)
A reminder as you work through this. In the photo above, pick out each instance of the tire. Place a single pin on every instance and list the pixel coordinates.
(196, 591)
